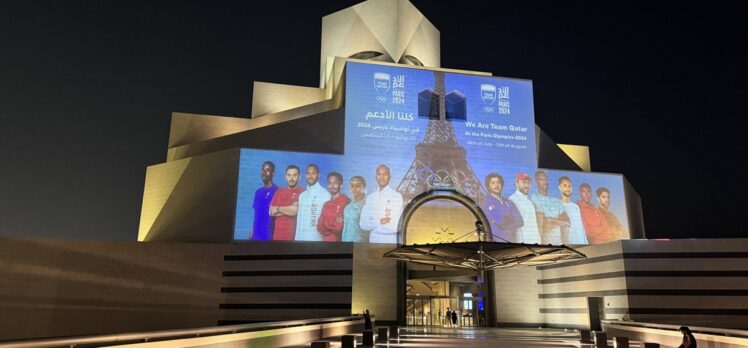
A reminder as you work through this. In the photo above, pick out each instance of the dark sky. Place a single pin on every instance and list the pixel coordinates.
(658, 91)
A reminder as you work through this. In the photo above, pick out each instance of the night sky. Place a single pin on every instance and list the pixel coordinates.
(659, 92)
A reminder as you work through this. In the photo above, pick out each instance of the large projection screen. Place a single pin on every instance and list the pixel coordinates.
(409, 130)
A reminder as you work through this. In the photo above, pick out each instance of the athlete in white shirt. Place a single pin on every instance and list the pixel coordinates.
(528, 233)
(310, 206)
(381, 212)
(574, 233)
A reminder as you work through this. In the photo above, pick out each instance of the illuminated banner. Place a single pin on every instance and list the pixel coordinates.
(281, 195)
(407, 131)
(436, 129)
(567, 207)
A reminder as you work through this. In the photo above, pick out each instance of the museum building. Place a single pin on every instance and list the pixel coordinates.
(250, 219)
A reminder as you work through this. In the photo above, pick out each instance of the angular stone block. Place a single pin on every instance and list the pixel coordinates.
(428, 104)
(456, 106)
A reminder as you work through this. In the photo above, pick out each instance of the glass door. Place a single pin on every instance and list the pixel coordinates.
(420, 312)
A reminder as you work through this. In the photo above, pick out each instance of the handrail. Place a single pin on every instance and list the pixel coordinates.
(145, 336)
(694, 329)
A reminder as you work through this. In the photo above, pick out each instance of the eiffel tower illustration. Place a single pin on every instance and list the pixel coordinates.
(440, 163)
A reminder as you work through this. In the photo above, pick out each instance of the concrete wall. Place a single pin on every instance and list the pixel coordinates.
(517, 301)
(550, 155)
(696, 282)
(556, 295)
(634, 211)
(671, 337)
(282, 281)
(566, 287)
(298, 336)
(316, 128)
(374, 281)
(681, 282)
(393, 28)
(268, 98)
(440, 221)
(191, 200)
(580, 154)
(65, 287)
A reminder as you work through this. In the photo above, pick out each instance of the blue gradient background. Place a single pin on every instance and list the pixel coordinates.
(363, 154)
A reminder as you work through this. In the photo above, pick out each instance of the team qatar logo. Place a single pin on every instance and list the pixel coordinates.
(488, 95)
(381, 85)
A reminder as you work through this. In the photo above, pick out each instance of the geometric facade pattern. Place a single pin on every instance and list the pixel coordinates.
(381, 30)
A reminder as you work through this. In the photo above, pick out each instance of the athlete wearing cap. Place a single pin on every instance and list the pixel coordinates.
(528, 233)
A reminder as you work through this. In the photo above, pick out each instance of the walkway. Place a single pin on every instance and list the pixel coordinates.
(438, 337)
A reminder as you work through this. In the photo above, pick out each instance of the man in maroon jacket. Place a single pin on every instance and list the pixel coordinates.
(330, 223)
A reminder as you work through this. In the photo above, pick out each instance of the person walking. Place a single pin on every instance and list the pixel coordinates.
(454, 318)
(449, 318)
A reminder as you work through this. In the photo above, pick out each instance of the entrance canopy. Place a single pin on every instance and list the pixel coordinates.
(480, 256)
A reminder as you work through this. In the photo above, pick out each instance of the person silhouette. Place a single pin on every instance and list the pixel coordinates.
(367, 320)
(688, 340)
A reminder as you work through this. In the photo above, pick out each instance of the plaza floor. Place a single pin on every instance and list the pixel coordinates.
(439, 337)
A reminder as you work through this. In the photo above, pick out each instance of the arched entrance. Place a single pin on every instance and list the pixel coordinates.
(425, 292)
(449, 195)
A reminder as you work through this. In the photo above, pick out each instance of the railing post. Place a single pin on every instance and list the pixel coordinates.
(601, 339)
(393, 331)
(620, 342)
(382, 335)
(368, 338)
(348, 341)
(585, 336)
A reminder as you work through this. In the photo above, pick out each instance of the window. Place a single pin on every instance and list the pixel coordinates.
(467, 302)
